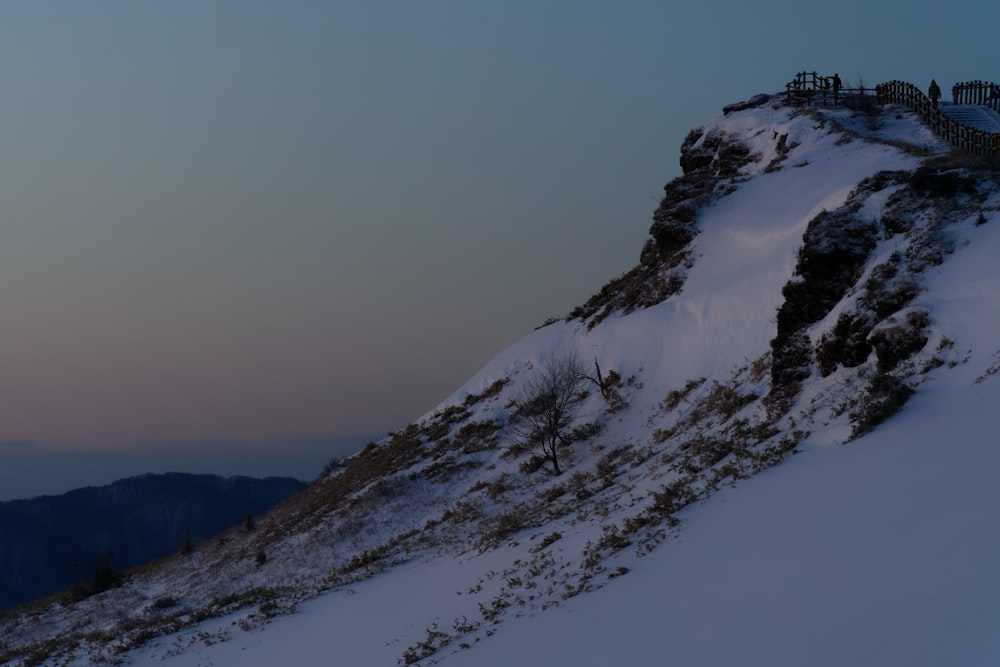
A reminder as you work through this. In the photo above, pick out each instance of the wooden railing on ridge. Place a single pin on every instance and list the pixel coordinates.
(810, 88)
(985, 93)
(970, 139)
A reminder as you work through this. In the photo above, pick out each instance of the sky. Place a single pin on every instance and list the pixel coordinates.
(239, 224)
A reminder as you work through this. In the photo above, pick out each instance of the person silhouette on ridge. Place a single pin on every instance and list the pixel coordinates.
(934, 92)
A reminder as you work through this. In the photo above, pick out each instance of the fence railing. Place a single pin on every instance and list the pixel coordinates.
(985, 93)
(970, 139)
(813, 89)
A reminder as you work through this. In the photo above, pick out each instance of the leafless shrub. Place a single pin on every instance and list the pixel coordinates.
(475, 436)
(607, 466)
(490, 392)
(495, 530)
(675, 396)
(547, 407)
(884, 395)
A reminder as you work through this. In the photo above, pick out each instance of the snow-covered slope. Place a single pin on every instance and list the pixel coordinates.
(810, 272)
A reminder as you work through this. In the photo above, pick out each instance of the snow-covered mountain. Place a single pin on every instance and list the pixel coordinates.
(776, 437)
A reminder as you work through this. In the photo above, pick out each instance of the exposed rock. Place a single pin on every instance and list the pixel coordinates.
(758, 100)
(707, 158)
(887, 290)
(835, 247)
(899, 338)
(846, 344)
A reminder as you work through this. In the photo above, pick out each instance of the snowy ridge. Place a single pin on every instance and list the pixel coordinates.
(683, 528)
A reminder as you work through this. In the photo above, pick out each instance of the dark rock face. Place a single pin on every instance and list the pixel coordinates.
(889, 288)
(846, 344)
(899, 339)
(51, 543)
(710, 161)
(714, 153)
(835, 247)
(941, 183)
(706, 158)
(758, 100)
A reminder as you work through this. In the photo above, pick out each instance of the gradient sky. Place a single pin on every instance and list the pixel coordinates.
(260, 222)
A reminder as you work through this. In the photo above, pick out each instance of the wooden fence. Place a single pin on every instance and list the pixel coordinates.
(961, 136)
(813, 89)
(977, 92)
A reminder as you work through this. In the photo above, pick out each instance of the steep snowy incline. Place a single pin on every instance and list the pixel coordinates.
(745, 253)
(880, 552)
(883, 552)
(671, 535)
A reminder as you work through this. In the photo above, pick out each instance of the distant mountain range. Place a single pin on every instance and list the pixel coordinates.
(51, 543)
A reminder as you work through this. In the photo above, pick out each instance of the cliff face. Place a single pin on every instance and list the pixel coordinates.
(793, 294)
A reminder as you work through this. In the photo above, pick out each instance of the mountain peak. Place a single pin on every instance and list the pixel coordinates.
(813, 274)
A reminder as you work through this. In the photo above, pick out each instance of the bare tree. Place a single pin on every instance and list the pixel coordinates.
(547, 407)
(609, 386)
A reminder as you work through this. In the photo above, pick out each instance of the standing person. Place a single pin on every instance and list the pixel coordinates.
(934, 92)
(836, 87)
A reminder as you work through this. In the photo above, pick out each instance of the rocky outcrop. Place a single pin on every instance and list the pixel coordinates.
(711, 159)
(835, 247)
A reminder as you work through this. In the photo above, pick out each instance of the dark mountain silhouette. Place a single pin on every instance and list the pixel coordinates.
(51, 543)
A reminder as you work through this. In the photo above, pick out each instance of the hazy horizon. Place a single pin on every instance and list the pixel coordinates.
(31, 471)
